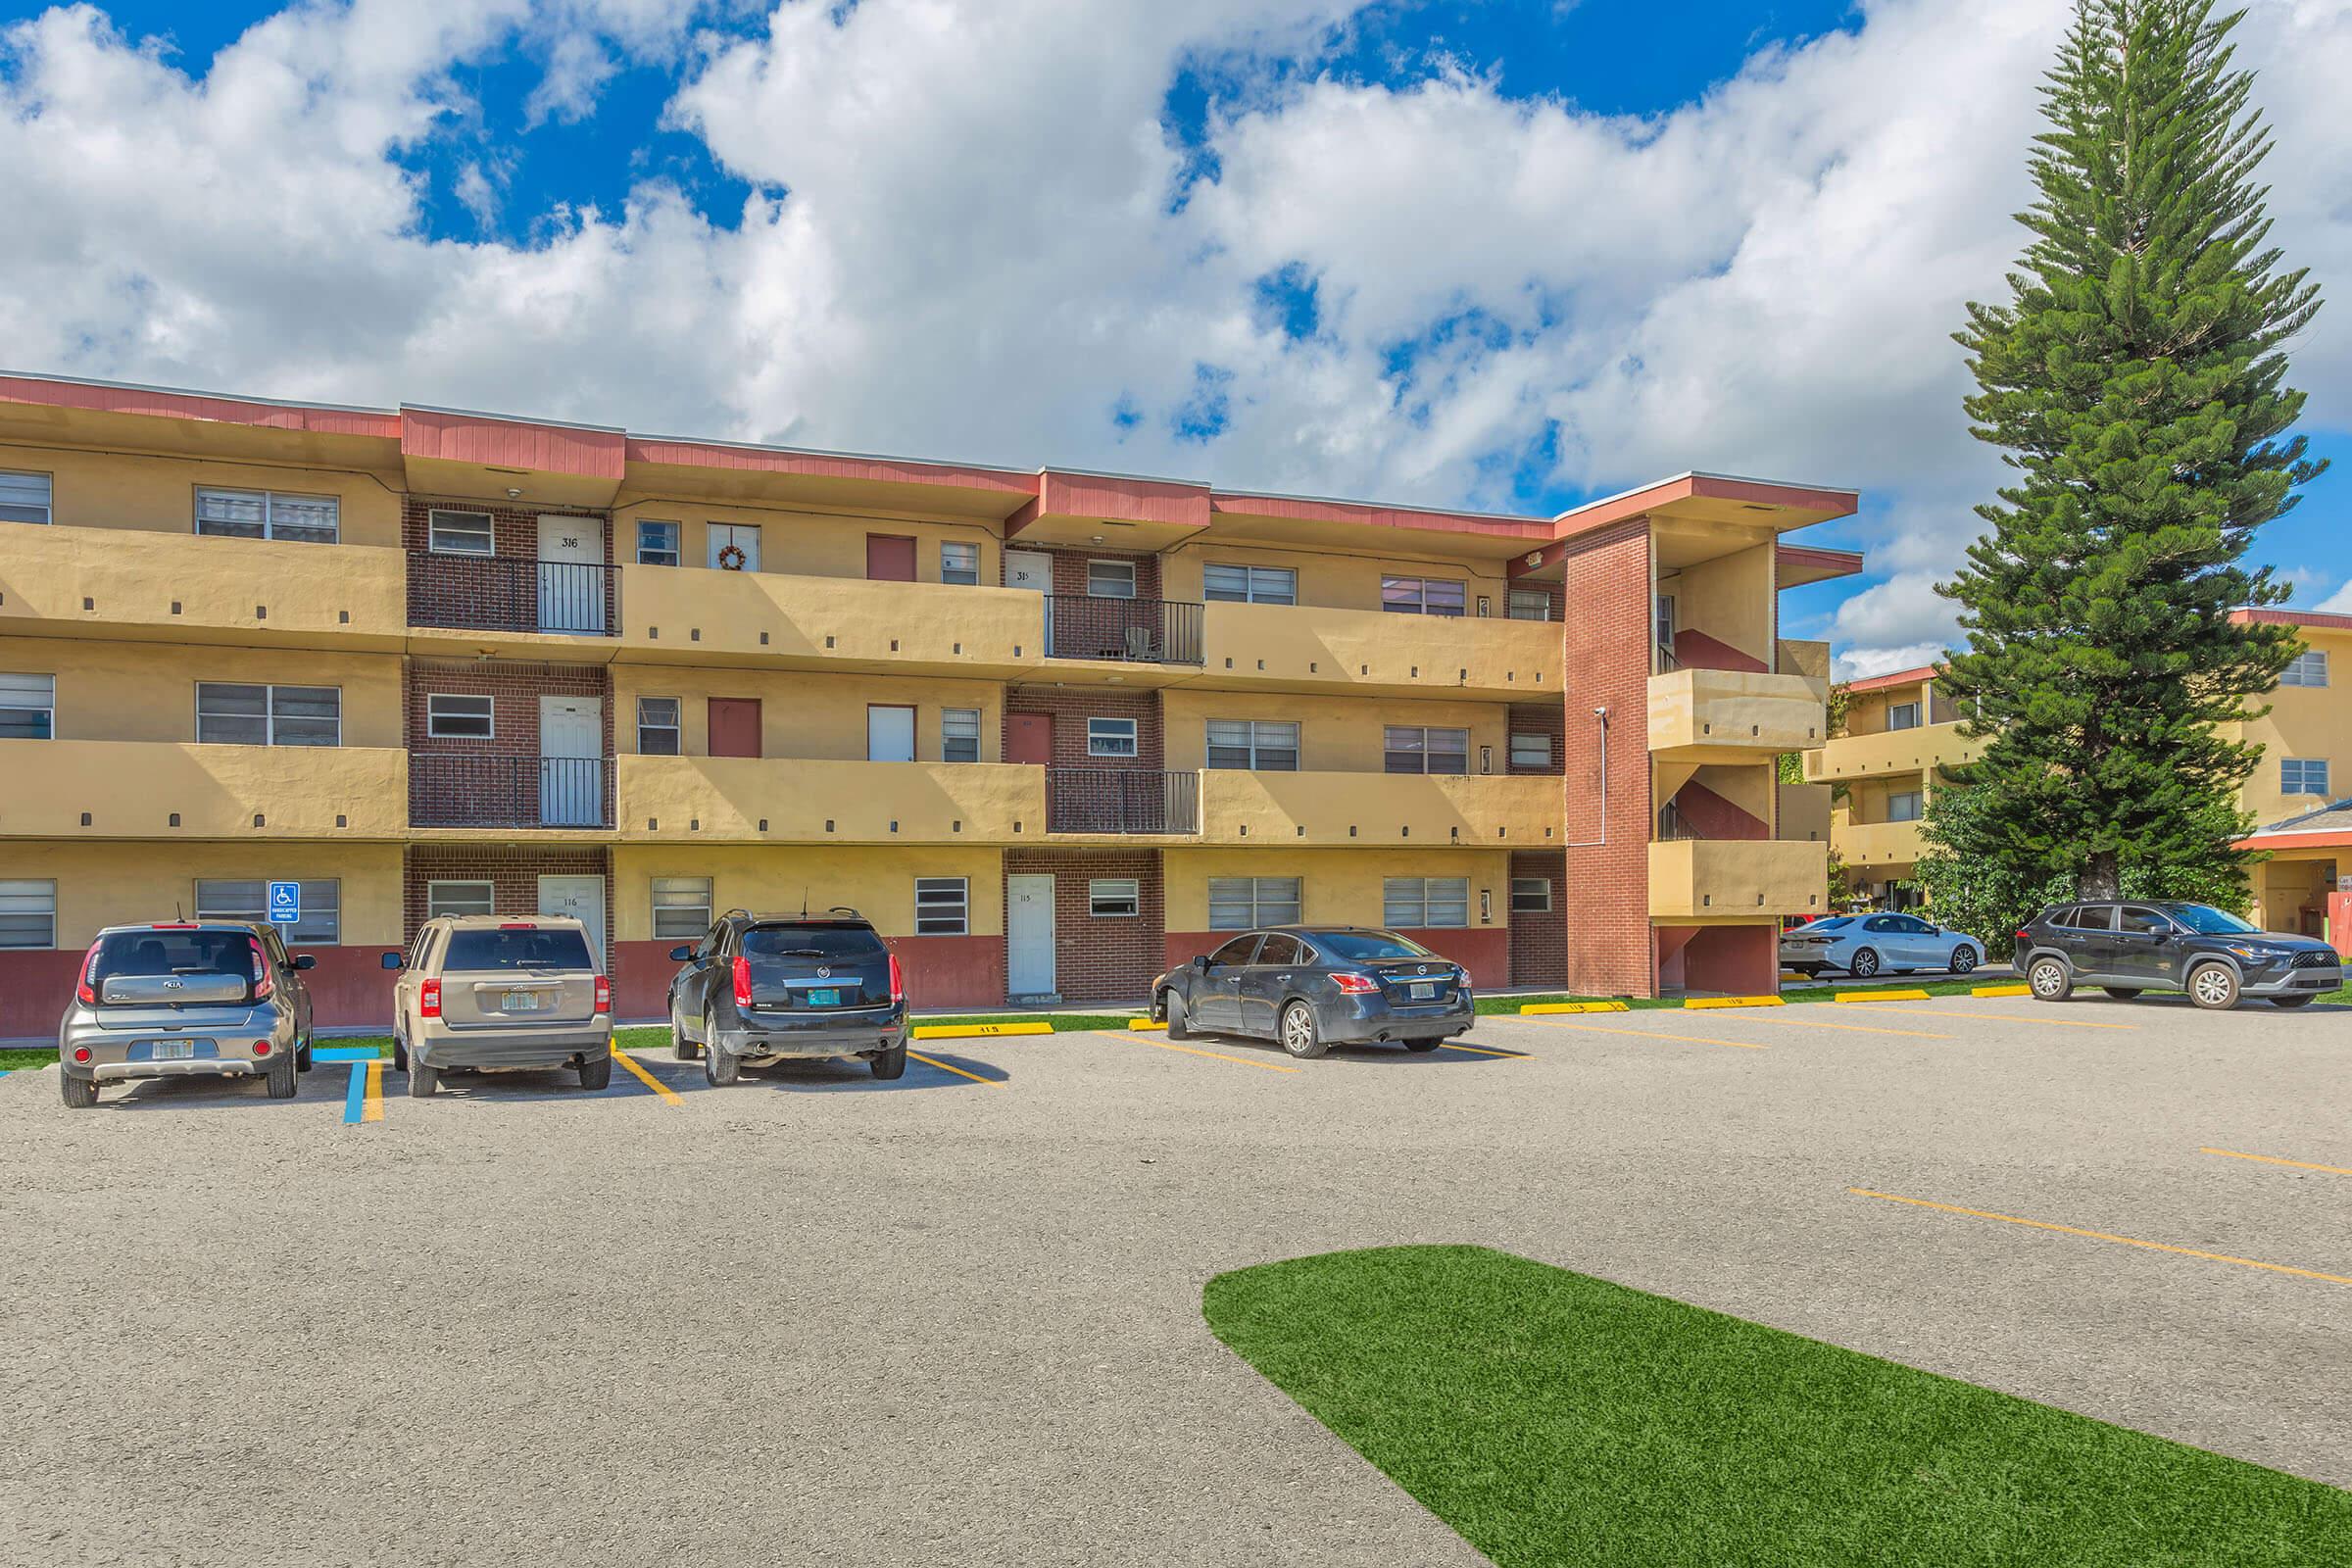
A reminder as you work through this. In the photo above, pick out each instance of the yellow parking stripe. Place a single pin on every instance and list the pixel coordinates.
(2104, 1236)
(1190, 1051)
(1509, 1055)
(1801, 1022)
(373, 1108)
(2273, 1159)
(1647, 1034)
(1883, 993)
(647, 1078)
(978, 1031)
(1775, 1000)
(2008, 1017)
(1536, 1007)
(2001, 990)
(934, 1062)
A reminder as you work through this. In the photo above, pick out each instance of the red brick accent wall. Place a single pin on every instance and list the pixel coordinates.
(1540, 940)
(1111, 959)
(1735, 960)
(1606, 663)
(1711, 817)
(513, 871)
(491, 794)
(1539, 719)
(1072, 705)
(495, 592)
(1695, 650)
(1070, 568)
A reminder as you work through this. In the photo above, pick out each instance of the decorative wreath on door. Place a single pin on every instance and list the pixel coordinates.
(731, 558)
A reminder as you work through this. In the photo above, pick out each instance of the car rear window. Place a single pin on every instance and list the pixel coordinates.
(517, 950)
(812, 941)
(163, 953)
(1359, 947)
(1828, 923)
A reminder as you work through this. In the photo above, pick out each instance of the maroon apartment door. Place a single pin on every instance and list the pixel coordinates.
(1029, 738)
(734, 726)
(889, 558)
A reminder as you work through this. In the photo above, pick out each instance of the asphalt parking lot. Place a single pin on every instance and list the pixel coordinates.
(955, 1318)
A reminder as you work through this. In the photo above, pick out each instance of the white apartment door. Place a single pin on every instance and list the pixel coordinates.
(571, 574)
(888, 733)
(1032, 570)
(734, 546)
(1029, 936)
(571, 765)
(583, 899)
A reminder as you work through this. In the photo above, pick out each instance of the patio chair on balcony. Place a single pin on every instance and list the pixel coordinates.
(1142, 646)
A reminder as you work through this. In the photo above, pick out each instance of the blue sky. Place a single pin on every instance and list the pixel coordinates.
(1506, 254)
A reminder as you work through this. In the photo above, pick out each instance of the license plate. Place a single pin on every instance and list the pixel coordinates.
(1423, 991)
(170, 1049)
(522, 1000)
(829, 996)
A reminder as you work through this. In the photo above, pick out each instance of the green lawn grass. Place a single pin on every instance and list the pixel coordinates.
(1552, 1418)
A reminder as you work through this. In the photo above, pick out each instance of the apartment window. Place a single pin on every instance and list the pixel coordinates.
(269, 514)
(1423, 595)
(2303, 775)
(1411, 749)
(681, 908)
(1254, 743)
(459, 533)
(28, 707)
(1529, 604)
(23, 496)
(268, 716)
(734, 546)
(1244, 903)
(943, 906)
(657, 728)
(1114, 898)
(2309, 668)
(1902, 716)
(1250, 585)
(321, 907)
(29, 913)
(1661, 630)
(1110, 579)
(1904, 805)
(959, 734)
(1110, 737)
(1531, 895)
(460, 898)
(959, 564)
(1530, 751)
(656, 543)
(463, 717)
(1424, 902)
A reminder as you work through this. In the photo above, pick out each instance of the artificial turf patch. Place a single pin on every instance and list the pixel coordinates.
(1553, 1418)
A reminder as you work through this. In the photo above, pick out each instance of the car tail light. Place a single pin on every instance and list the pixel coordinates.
(604, 993)
(516, 926)
(1347, 980)
(261, 1047)
(263, 982)
(897, 980)
(86, 988)
(2025, 939)
(173, 925)
(743, 981)
(81, 1053)
(428, 998)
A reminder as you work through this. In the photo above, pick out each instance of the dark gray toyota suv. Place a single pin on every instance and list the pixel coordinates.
(1312, 987)
(2126, 946)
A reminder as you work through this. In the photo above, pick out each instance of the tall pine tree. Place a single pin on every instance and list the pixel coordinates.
(2136, 383)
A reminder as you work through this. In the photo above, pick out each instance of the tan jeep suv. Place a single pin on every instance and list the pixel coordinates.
(490, 992)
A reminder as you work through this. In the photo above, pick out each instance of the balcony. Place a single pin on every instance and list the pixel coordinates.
(168, 789)
(485, 789)
(144, 585)
(1876, 844)
(846, 623)
(1700, 880)
(1121, 801)
(1729, 716)
(1380, 810)
(802, 799)
(1376, 653)
(1134, 631)
(512, 594)
(1890, 752)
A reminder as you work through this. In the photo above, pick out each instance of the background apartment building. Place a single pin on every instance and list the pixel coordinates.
(1050, 731)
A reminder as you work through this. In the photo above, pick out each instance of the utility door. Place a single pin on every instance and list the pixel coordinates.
(734, 726)
(571, 574)
(889, 557)
(888, 733)
(1029, 738)
(1032, 570)
(1029, 936)
(583, 899)
(572, 767)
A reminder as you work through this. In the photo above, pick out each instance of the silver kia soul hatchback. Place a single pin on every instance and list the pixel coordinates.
(185, 999)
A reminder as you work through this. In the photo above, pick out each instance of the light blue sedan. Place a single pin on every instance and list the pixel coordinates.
(1866, 945)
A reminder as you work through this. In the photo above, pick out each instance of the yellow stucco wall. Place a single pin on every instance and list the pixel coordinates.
(2290, 894)
(877, 881)
(804, 714)
(1522, 811)
(1337, 734)
(134, 789)
(120, 691)
(823, 800)
(115, 884)
(187, 587)
(1340, 886)
(1333, 581)
(1703, 880)
(805, 544)
(2307, 722)
(1696, 712)
(1729, 598)
(126, 490)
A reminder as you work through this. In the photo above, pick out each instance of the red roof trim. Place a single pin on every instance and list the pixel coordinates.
(157, 404)
(2318, 619)
(2326, 838)
(691, 454)
(497, 442)
(1250, 503)
(1901, 677)
(1840, 563)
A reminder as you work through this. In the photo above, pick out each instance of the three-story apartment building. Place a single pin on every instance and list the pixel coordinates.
(1051, 731)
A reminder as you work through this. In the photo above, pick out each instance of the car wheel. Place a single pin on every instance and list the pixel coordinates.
(2303, 1000)
(2049, 980)
(2121, 993)
(400, 1056)
(2213, 986)
(1422, 1044)
(680, 1046)
(285, 1077)
(720, 1066)
(80, 1093)
(1302, 1036)
(1963, 958)
(422, 1080)
(1866, 964)
(1179, 1024)
(891, 1064)
(301, 1057)
(597, 1073)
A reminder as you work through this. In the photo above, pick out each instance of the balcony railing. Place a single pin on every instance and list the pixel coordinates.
(477, 790)
(1143, 631)
(1116, 799)
(510, 593)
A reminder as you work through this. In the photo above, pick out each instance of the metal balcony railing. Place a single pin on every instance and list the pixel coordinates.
(1146, 631)
(510, 593)
(1121, 799)
(474, 789)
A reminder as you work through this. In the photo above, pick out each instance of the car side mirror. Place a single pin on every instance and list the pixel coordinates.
(680, 954)
(391, 960)
(303, 960)
(1200, 963)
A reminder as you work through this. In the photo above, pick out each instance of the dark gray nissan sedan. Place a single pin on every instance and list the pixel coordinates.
(1309, 987)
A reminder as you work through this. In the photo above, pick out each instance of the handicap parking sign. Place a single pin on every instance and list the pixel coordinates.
(285, 903)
